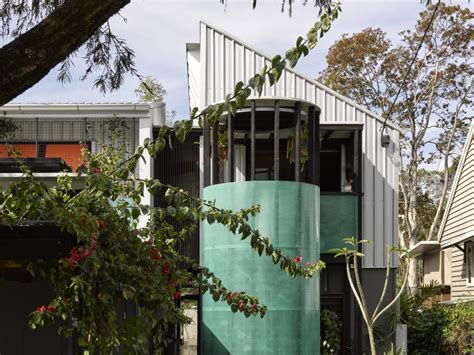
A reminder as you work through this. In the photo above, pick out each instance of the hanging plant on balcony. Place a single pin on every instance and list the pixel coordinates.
(290, 147)
(222, 143)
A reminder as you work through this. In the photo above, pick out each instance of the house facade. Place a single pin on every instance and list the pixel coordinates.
(349, 177)
(449, 261)
(312, 159)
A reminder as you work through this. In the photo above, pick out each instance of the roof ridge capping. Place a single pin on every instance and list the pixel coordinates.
(313, 81)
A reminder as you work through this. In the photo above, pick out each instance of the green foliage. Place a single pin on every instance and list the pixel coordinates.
(394, 350)
(331, 332)
(7, 127)
(150, 90)
(436, 328)
(114, 260)
(433, 108)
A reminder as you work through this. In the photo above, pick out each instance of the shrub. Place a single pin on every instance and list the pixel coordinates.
(437, 329)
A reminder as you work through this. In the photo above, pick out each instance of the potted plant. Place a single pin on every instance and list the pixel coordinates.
(347, 187)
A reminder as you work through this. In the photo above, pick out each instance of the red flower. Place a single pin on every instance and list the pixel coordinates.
(72, 265)
(177, 295)
(307, 264)
(298, 259)
(93, 243)
(242, 305)
(86, 253)
(41, 309)
(254, 306)
(101, 224)
(75, 255)
(154, 253)
(96, 170)
(165, 269)
(50, 308)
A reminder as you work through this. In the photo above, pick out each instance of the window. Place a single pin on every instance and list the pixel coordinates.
(469, 250)
(337, 161)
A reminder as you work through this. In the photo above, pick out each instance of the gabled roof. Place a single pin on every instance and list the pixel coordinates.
(469, 141)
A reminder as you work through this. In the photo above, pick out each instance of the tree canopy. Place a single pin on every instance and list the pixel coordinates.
(45, 33)
(435, 104)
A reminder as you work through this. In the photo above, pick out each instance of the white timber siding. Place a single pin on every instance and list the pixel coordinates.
(225, 60)
(458, 219)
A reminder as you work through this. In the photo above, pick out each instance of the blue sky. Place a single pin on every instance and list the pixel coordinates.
(158, 30)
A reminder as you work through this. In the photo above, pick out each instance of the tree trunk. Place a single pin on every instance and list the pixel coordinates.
(413, 276)
(27, 59)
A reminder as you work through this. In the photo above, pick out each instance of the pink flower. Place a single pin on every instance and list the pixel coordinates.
(74, 255)
(85, 253)
(254, 306)
(307, 264)
(298, 259)
(93, 243)
(41, 309)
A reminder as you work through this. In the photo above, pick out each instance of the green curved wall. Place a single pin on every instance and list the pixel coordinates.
(290, 217)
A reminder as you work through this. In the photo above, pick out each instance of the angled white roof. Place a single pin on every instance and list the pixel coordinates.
(224, 59)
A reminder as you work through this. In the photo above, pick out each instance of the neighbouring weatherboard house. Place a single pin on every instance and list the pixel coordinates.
(312, 159)
(449, 260)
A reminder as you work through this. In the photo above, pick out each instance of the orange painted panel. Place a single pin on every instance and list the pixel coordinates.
(25, 150)
(71, 153)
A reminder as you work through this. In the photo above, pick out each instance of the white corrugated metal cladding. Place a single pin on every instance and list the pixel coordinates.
(221, 60)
